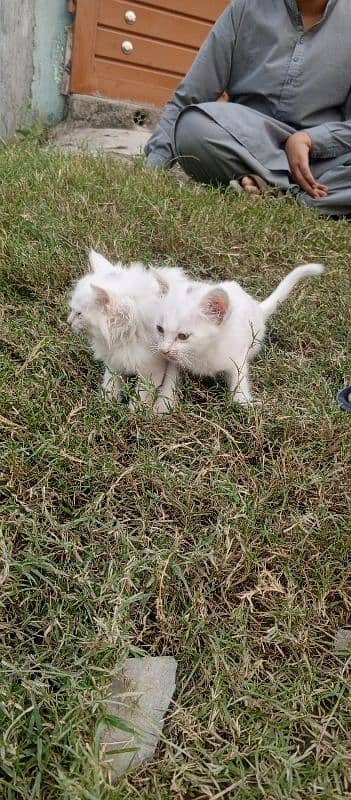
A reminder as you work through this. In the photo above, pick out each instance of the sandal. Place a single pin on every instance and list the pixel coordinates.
(262, 185)
(235, 184)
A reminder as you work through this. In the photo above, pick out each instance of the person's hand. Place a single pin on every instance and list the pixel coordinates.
(297, 148)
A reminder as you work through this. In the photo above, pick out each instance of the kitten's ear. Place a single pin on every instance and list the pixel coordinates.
(98, 263)
(163, 284)
(215, 305)
(101, 297)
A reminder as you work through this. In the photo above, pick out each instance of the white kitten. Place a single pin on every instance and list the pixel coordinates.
(115, 307)
(210, 329)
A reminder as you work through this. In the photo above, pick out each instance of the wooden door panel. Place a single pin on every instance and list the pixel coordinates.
(156, 55)
(165, 38)
(153, 23)
(83, 50)
(133, 82)
(208, 10)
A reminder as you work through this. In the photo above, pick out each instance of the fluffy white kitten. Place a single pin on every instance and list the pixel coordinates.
(209, 329)
(115, 306)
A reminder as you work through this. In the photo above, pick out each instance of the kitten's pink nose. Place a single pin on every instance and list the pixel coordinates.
(166, 351)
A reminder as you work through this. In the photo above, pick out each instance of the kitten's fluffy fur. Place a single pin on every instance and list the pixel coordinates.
(210, 329)
(115, 307)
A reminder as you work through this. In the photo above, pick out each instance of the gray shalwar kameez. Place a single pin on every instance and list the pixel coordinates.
(280, 79)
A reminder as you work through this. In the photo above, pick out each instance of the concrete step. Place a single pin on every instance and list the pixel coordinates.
(119, 142)
(100, 112)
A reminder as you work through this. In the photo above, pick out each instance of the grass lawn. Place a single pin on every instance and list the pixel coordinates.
(216, 534)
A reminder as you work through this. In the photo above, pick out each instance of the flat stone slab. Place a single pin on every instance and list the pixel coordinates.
(342, 641)
(139, 699)
(119, 142)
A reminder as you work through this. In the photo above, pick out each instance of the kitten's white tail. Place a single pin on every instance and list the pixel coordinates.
(282, 291)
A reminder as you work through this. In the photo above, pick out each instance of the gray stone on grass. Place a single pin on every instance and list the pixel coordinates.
(343, 640)
(139, 699)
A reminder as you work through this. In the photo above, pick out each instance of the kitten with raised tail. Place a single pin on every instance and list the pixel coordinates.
(211, 329)
(114, 307)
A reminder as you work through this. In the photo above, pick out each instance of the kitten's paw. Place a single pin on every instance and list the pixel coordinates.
(133, 405)
(110, 394)
(111, 388)
(242, 399)
(247, 402)
(141, 399)
(162, 405)
(145, 397)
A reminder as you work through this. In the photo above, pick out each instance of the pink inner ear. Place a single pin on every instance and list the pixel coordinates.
(162, 283)
(100, 295)
(217, 308)
(216, 304)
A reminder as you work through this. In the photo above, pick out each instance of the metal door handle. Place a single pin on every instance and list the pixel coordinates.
(130, 17)
(127, 47)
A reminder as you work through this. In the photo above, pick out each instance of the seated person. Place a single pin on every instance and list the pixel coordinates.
(286, 68)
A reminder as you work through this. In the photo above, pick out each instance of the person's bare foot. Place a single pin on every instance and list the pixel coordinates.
(250, 186)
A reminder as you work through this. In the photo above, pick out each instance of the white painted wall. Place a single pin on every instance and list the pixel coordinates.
(51, 18)
(16, 63)
(32, 46)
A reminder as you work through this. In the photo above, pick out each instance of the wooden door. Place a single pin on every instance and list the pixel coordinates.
(137, 50)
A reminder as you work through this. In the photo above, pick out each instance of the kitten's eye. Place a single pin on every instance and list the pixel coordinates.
(183, 336)
(159, 328)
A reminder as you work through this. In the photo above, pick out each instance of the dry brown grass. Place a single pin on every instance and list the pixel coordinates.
(215, 534)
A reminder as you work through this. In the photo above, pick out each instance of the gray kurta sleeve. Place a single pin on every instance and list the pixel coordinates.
(332, 139)
(206, 80)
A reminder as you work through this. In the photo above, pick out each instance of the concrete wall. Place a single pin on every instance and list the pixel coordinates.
(16, 62)
(32, 45)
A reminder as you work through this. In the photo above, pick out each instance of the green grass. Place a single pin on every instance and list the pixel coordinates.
(219, 535)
